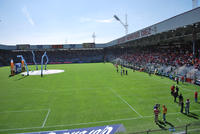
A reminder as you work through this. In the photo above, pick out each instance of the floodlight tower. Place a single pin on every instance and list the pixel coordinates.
(125, 25)
(93, 36)
(194, 3)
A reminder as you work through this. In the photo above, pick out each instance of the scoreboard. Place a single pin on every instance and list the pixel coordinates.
(57, 46)
(23, 46)
(88, 45)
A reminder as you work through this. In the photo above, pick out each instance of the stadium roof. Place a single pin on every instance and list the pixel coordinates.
(184, 19)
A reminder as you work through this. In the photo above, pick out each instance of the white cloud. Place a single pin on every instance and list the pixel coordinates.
(26, 13)
(105, 20)
(85, 19)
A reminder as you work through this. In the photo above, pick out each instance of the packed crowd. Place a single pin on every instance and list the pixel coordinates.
(139, 56)
(56, 56)
(177, 56)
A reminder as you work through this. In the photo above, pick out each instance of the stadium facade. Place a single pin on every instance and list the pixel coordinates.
(181, 25)
(171, 47)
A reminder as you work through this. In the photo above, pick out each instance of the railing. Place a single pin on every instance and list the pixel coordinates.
(192, 128)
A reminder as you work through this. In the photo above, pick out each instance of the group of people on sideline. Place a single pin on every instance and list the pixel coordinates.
(175, 94)
(123, 71)
(157, 111)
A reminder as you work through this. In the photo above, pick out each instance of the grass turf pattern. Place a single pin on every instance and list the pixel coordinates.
(87, 95)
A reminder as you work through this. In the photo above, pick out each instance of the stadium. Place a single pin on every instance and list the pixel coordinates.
(113, 87)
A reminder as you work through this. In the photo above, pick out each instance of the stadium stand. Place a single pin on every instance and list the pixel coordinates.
(55, 56)
(170, 47)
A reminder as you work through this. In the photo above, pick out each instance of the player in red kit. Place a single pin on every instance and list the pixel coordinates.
(195, 96)
(172, 90)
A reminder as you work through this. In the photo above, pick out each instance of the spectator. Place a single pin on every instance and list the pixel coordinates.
(156, 113)
(175, 95)
(196, 96)
(164, 113)
(182, 106)
(172, 90)
(187, 106)
(180, 99)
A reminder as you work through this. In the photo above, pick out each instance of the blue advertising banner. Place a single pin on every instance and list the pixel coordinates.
(109, 129)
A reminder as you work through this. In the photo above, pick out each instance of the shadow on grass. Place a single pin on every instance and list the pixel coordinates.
(169, 124)
(22, 78)
(192, 115)
(161, 125)
(10, 76)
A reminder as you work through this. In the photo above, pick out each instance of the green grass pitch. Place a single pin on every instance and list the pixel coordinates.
(88, 95)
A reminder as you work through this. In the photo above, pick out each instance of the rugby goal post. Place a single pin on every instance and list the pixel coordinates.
(34, 60)
(47, 60)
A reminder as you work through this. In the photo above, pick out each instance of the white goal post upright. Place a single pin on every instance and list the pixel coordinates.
(44, 55)
(34, 60)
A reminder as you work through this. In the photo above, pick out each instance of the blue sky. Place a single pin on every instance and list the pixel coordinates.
(74, 21)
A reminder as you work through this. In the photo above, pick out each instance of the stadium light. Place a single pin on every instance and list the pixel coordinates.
(194, 4)
(115, 16)
(93, 36)
(125, 25)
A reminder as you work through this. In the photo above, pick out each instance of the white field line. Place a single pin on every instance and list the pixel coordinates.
(4, 130)
(86, 123)
(178, 119)
(125, 102)
(55, 91)
(190, 130)
(49, 110)
(23, 111)
(77, 124)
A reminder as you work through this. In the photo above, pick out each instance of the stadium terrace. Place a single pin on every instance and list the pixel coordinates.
(131, 79)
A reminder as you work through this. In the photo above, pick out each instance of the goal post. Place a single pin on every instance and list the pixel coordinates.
(34, 60)
(47, 60)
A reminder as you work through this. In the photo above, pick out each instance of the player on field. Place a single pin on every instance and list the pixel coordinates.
(23, 66)
(182, 106)
(195, 96)
(126, 72)
(175, 95)
(187, 106)
(172, 89)
(177, 89)
(116, 67)
(180, 99)
(12, 67)
(164, 113)
(156, 113)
